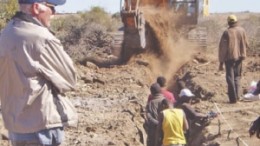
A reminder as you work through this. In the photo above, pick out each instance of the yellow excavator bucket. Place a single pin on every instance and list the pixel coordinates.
(206, 8)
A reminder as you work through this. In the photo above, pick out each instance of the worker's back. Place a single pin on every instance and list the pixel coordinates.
(173, 127)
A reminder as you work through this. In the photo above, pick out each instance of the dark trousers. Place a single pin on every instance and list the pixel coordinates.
(151, 136)
(233, 75)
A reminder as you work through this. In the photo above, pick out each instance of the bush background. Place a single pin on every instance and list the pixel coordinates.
(83, 33)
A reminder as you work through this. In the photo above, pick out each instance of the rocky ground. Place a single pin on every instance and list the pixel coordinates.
(110, 102)
(233, 120)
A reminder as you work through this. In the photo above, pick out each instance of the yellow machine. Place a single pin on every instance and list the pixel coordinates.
(135, 37)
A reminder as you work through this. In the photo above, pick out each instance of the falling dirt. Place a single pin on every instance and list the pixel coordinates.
(172, 50)
(165, 33)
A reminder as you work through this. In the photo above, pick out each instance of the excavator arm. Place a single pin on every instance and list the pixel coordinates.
(135, 26)
(133, 20)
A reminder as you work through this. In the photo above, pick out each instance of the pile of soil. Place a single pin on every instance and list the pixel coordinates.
(111, 100)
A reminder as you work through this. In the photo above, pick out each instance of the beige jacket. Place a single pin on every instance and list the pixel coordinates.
(233, 44)
(35, 72)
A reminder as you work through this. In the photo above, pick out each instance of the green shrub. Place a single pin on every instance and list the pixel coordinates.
(84, 32)
(7, 10)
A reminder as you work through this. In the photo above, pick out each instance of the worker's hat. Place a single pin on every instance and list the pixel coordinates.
(52, 2)
(232, 19)
(186, 92)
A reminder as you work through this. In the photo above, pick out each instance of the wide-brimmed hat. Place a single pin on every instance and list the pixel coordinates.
(232, 19)
(53, 2)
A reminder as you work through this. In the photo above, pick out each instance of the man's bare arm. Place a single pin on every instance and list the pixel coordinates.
(185, 123)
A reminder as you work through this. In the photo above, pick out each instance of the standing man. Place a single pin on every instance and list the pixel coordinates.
(232, 51)
(153, 108)
(172, 126)
(35, 73)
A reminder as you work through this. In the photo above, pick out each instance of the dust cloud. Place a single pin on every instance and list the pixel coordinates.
(173, 50)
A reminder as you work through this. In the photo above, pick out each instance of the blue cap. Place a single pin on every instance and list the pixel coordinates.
(53, 2)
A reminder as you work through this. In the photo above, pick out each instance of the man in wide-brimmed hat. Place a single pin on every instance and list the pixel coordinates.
(232, 51)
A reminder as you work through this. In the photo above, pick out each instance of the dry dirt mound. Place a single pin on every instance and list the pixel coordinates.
(110, 101)
(210, 86)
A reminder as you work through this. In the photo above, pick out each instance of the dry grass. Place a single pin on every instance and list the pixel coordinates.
(216, 24)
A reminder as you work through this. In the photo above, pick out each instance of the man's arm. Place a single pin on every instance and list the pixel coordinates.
(244, 45)
(57, 66)
(221, 66)
(185, 123)
(149, 116)
(223, 48)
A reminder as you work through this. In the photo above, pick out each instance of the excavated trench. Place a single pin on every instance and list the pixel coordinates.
(124, 106)
(112, 103)
(146, 60)
(161, 54)
(130, 106)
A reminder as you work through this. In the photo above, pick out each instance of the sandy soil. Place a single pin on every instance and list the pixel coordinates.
(211, 86)
(110, 101)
